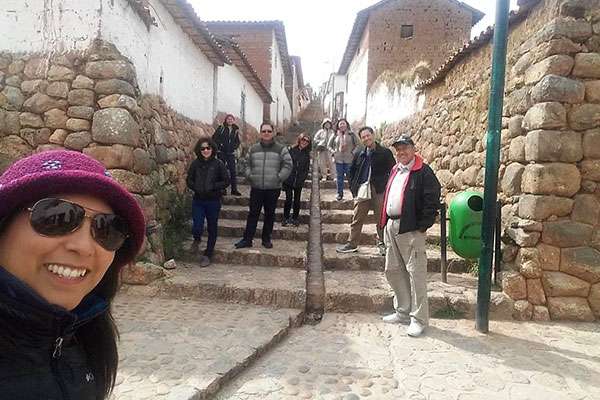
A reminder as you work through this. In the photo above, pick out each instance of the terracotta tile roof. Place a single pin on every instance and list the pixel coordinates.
(239, 59)
(362, 18)
(184, 15)
(479, 41)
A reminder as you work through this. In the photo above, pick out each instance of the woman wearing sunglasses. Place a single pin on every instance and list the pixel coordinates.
(66, 229)
(292, 186)
(208, 178)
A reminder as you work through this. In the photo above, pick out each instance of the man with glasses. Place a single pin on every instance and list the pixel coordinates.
(269, 165)
(410, 204)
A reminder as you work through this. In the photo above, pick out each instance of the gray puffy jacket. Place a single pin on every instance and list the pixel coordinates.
(269, 165)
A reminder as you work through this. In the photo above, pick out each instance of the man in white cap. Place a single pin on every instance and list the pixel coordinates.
(410, 205)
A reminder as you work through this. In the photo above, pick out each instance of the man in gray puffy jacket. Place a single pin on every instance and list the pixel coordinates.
(269, 164)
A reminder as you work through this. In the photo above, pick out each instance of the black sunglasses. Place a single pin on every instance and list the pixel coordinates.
(267, 131)
(56, 217)
(202, 148)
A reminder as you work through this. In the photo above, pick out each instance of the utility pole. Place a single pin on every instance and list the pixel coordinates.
(492, 165)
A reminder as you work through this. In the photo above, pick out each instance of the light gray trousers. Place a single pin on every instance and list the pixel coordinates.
(406, 270)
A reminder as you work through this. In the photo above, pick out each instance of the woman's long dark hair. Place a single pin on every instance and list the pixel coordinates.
(99, 336)
(199, 144)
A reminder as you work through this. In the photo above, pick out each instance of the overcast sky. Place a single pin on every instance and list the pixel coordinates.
(316, 30)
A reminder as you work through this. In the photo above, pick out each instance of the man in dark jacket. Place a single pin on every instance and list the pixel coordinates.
(410, 205)
(227, 139)
(269, 165)
(368, 175)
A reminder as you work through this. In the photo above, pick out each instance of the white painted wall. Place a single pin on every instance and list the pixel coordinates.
(356, 96)
(164, 50)
(231, 85)
(391, 105)
(280, 108)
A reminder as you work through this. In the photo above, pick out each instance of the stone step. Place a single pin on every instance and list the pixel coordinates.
(285, 253)
(244, 199)
(241, 213)
(339, 233)
(368, 291)
(226, 283)
(368, 258)
(235, 228)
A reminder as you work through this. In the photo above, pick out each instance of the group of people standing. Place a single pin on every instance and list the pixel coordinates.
(271, 167)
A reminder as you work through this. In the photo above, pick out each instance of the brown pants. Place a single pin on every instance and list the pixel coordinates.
(406, 271)
(361, 210)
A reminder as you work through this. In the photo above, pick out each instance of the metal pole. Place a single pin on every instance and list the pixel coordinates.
(492, 164)
(443, 243)
(498, 243)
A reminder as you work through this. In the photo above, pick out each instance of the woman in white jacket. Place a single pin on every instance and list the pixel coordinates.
(325, 157)
(342, 145)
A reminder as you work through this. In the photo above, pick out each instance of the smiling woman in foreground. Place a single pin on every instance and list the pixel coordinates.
(66, 229)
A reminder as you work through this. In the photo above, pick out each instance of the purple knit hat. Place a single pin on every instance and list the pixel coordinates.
(60, 171)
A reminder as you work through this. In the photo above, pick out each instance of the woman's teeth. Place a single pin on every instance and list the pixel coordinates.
(66, 272)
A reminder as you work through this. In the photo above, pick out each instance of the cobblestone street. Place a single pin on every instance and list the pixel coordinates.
(188, 350)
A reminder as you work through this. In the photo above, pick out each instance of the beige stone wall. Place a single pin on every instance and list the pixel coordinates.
(90, 102)
(550, 155)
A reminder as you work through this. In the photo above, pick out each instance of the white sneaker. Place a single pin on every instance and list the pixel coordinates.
(415, 329)
(396, 318)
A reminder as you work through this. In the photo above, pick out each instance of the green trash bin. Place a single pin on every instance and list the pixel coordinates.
(465, 214)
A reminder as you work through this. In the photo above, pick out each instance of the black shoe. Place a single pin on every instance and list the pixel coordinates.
(243, 244)
(267, 244)
(285, 222)
(235, 193)
(295, 222)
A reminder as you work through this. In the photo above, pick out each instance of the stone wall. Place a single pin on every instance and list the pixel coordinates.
(550, 154)
(90, 102)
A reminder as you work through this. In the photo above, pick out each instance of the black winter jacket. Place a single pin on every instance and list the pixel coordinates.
(227, 140)
(382, 162)
(40, 357)
(208, 179)
(421, 199)
(301, 160)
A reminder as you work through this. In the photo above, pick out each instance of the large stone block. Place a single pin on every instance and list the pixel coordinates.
(540, 313)
(114, 86)
(36, 68)
(523, 310)
(36, 137)
(30, 120)
(12, 122)
(586, 209)
(523, 238)
(77, 124)
(82, 97)
(115, 126)
(142, 163)
(566, 233)
(543, 145)
(576, 30)
(119, 100)
(55, 118)
(14, 147)
(591, 144)
(592, 91)
(60, 73)
(570, 309)
(78, 140)
(58, 137)
(549, 257)
(112, 157)
(515, 126)
(511, 181)
(39, 103)
(559, 284)
(16, 67)
(36, 85)
(83, 82)
(550, 115)
(518, 102)
(82, 112)
(58, 89)
(552, 179)
(558, 88)
(11, 98)
(590, 170)
(516, 150)
(587, 65)
(535, 292)
(528, 261)
(582, 262)
(135, 183)
(559, 64)
(584, 116)
(594, 299)
(514, 285)
(116, 69)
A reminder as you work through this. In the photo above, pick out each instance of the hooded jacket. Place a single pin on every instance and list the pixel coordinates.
(40, 357)
(269, 165)
(208, 179)
(420, 198)
(322, 136)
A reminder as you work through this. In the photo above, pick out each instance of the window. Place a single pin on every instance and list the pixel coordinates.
(406, 31)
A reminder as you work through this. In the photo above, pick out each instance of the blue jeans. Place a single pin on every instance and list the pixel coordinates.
(341, 169)
(210, 210)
